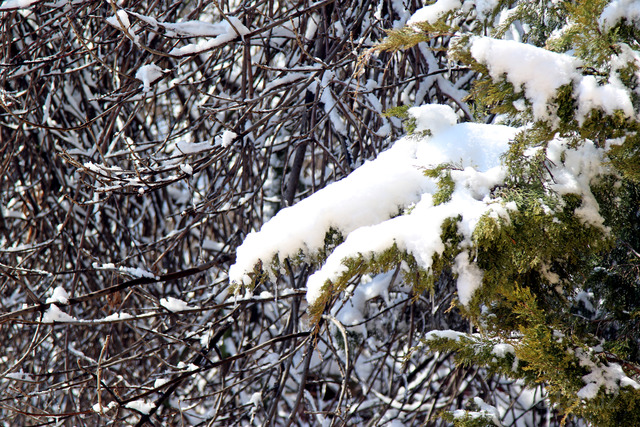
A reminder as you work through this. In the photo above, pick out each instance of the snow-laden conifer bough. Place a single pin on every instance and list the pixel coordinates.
(364, 206)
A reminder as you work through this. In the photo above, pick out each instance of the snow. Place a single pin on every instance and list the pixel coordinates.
(196, 28)
(148, 74)
(440, 8)
(434, 11)
(256, 399)
(433, 117)
(20, 376)
(573, 170)
(101, 409)
(120, 20)
(54, 314)
(486, 410)
(351, 312)
(617, 10)
(142, 406)
(138, 272)
(502, 349)
(609, 97)
(17, 4)
(469, 277)
(226, 31)
(59, 295)
(364, 205)
(117, 316)
(226, 139)
(186, 147)
(160, 382)
(447, 334)
(540, 73)
(174, 305)
(611, 376)
(382, 185)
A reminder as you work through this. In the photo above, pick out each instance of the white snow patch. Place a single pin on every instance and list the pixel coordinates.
(138, 272)
(54, 314)
(502, 349)
(59, 295)
(540, 73)
(469, 277)
(448, 334)
(117, 316)
(186, 147)
(537, 70)
(609, 97)
(617, 10)
(120, 20)
(148, 74)
(174, 305)
(433, 12)
(160, 382)
(228, 30)
(433, 117)
(608, 375)
(391, 181)
(17, 4)
(226, 139)
(142, 406)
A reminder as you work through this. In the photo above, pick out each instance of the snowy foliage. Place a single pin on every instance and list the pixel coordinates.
(259, 213)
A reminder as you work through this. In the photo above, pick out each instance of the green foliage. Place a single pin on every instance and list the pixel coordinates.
(377, 263)
(401, 39)
(469, 419)
(402, 112)
(542, 255)
(446, 185)
(559, 296)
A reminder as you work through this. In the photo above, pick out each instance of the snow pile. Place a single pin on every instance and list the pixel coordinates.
(371, 194)
(54, 314)
(573, 170)
(142, 406)
(17, 4)
(364, 207)
(59, 295)
(225, 139)
(148, 74)
(225, 32)
(120, 20)
(539, 73)
(618, 10)
(174, 305)
(485, 411)
(433, 12)
(609, 375)
(446, 334)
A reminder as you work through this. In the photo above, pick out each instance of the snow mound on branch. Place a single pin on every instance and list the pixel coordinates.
(540, 73)
(618, 10)
(365, 206)
(433, 12)
(226, 32)
(609, 376)
(54, 314)
(148, 74)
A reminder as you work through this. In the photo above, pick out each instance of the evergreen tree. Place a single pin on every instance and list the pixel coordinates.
(535, 214)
